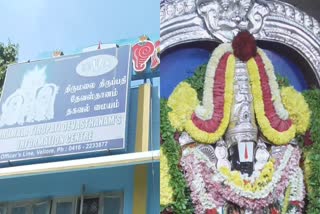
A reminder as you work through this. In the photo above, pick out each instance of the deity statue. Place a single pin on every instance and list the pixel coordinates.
(239, 151)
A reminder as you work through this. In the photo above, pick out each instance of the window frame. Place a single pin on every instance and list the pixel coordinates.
(114, 194)
(52, 202)
(73, 200)
(5, 206)
(28, 204)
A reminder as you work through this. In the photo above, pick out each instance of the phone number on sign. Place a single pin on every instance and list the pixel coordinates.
(88, 146)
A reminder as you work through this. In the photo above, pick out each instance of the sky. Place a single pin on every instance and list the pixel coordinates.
(42, 26)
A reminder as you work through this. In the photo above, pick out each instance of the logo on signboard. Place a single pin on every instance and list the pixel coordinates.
(143, 52)
(32, 102)
(97, 65)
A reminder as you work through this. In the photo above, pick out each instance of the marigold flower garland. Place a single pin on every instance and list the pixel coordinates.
(166, 192)
(274, 87)
(207, 123)
(234, 178)
(297, 107)
(182, 101)
(209, 131)
(205, 110)
(218, 93)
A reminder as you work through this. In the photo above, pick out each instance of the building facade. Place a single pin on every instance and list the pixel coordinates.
(94, 175)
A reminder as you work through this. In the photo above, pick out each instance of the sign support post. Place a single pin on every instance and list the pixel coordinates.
(142, 145)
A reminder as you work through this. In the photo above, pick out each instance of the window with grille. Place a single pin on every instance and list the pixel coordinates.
(89, 206)
(107, 203)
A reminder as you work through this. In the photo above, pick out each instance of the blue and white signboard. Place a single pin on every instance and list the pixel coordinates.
(66, 105)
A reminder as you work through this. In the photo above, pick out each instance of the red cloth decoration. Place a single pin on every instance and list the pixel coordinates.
(244, 46)
(212, 211)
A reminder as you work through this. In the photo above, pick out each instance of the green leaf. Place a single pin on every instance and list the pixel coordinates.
(8, 55)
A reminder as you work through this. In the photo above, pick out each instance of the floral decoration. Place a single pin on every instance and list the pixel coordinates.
(181, 196)
(183, 93)
(166, 192)
(202, 175)
(274, 86)
(286, 201)
(311, 153)
(297, 107)
(281, 114)
(209, 131)
(244, 46)
(277, 130)
(205, 110)
(234, 178)
(202, 123)
(207, 122)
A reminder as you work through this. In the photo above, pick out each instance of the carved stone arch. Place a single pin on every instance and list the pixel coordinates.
(184, 21)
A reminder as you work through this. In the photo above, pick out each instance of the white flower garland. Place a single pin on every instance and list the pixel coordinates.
(293, 211)
(203, 196)
(205, 110)
(218, 177)
(270, 186)
(199, 184)
(275, 92)
(297, 186)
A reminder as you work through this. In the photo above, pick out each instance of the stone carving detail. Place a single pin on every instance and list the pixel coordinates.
(225, 18)
(291, 13)
(171, 9)
(184, 21)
